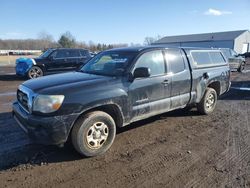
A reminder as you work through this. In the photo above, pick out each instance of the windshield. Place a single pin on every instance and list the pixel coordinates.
(110, 63)
(46, 53)
(234, 53)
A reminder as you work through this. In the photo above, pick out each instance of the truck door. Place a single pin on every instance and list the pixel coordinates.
(150, 96)
(58, 61)
(73, 59)
(180, 77)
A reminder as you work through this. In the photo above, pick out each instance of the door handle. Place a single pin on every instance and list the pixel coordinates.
(165, 82)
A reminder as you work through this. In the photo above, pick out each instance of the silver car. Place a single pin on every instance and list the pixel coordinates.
(235, 61)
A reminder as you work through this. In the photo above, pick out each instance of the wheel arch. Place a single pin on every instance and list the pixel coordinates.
(39, 66)
(112, 109)
(216, 86)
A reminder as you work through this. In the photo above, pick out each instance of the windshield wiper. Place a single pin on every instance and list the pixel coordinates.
(89, 72)
(83, 71)
(96, 73)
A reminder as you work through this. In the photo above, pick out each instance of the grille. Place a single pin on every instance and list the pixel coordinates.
(23, 99)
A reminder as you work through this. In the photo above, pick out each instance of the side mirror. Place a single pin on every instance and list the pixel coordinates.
(141, 72)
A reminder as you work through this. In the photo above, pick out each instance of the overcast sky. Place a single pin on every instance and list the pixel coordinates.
(120, 21)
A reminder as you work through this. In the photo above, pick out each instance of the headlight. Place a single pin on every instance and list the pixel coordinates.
(47, 103)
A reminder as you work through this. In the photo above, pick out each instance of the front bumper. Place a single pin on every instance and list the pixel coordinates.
(23, 66)
(49, 130)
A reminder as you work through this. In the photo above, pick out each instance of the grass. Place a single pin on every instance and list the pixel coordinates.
(11, 60)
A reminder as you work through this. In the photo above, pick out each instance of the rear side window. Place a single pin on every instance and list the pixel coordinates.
(73, 53)
(154, 61)
(84, 53)
(175, 60)
(207, 58)
(60, 54)
(216, 57)
(201, 58)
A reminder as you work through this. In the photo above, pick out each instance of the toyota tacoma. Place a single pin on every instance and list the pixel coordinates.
(114, 89)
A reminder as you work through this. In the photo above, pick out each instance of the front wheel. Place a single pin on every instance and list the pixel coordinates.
(93, 134)
(35, 72)
(208, 102)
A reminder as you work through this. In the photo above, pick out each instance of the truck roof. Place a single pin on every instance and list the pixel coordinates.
(67, 48)
(142, 48)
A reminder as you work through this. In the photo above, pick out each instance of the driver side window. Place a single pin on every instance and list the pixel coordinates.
(154, 61)
(60, 54)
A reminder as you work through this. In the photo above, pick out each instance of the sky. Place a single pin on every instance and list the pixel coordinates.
(120, 21)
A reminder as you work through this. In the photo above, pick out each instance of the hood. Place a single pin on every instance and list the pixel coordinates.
(31, 61)
(39, 59)
(65, 80)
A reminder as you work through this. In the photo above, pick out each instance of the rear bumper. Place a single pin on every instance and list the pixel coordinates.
(52, 130)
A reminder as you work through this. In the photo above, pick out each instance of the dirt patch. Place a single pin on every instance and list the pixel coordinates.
(10, 60)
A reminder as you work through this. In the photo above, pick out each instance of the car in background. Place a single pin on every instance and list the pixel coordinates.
(235, 61)
(245, 55)
(93, 54)
(52, 61)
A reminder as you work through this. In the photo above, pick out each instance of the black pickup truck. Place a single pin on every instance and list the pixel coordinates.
(115, 88)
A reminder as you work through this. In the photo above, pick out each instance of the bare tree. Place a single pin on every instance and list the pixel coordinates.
(46, 39)
(150, 40)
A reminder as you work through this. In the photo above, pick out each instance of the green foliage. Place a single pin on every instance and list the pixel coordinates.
(67, 40)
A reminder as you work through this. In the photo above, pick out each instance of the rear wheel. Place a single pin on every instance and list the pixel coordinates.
(208, 102)
(35, 72)
(93, 134)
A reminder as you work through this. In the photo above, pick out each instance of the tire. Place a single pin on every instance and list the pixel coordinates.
(93, 134)
(241, 68)
(208, 102)
(35, 72)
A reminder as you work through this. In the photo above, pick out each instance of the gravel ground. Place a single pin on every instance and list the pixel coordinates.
(175, 149)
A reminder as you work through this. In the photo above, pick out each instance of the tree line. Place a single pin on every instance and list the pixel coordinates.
(66, 40)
